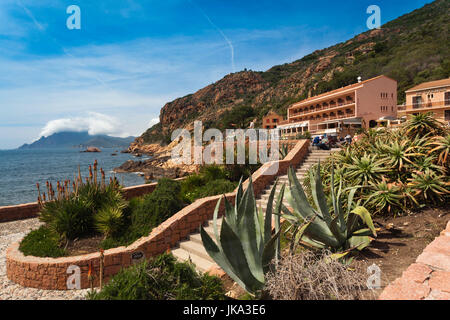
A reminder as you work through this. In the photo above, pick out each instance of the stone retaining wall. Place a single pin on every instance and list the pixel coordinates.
(50, 273)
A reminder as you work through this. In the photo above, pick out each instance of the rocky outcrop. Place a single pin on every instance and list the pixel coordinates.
(157, 168)
(92, 149)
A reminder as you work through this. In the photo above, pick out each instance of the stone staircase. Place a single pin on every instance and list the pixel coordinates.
(192, 248)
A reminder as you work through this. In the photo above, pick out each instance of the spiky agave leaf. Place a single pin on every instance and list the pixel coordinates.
(245, 246)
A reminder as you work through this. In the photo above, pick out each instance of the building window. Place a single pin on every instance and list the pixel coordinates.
(417, 101)
(447, 115)
(447, 98)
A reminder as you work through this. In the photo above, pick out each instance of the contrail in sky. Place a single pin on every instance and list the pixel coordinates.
(230, 44)
(28, 12)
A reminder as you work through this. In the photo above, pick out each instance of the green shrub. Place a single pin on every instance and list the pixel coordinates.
(68, 218)
(42, 243)
(162, 278)
(109, 220)
(211, 188)
(143, 214)
(159, 205)
(213, 172)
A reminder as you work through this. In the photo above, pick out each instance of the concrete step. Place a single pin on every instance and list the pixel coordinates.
(202, 265)
(197, 238)
(211, 222)
(195, 248)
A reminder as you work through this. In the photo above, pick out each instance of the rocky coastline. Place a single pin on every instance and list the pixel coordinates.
(159, 166)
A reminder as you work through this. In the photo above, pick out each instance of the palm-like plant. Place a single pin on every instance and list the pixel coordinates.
(421, 164)
(317, 227)
(422, 124)
(246, 245)
(398, 154)
(384, 197)
(365, 169)
(442, 146)
(69, 218)
(109, 219)
(429, 185)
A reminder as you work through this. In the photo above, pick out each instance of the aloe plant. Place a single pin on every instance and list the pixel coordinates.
(317, 227)
(245, 247)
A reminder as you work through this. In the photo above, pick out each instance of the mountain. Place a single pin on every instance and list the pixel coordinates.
(412, 49)
(78, 139)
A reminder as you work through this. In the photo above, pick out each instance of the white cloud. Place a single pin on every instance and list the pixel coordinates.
(94, 123)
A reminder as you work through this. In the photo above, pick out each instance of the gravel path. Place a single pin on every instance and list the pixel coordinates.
(13, 232)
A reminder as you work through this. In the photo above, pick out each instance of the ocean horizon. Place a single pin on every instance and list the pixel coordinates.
(22, 169)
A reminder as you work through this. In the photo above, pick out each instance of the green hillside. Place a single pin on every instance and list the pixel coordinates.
(411, 49)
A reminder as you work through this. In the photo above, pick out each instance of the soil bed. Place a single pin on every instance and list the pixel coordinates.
(400, 241)
(85, 245)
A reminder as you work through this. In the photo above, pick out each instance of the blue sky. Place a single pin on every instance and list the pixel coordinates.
(131, 57)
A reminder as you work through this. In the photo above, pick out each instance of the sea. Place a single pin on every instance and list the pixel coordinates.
(20, 170)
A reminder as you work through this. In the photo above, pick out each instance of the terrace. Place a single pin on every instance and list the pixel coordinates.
(332, 105)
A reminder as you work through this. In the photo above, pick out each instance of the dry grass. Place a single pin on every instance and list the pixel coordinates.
(312, 276)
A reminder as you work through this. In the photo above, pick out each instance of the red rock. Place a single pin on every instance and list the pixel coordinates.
(438, 295)
(417, 273)
(440, 280)
(405, 290)
(440, 245)
(435, 260)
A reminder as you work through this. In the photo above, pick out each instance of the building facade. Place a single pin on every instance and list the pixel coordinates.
(433, 96)
(344, 110)
(271, 120)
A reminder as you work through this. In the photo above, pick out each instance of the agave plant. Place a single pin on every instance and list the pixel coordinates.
(316, 227)
(441, 145)
(284, 150)
(245, 246)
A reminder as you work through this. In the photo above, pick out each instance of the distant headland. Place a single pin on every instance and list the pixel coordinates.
(78, 140)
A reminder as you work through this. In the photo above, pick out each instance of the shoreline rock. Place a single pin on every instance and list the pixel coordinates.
(92, 149)
(156, 168)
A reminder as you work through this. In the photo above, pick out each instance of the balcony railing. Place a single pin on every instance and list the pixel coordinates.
(309, 112)
(425, 105)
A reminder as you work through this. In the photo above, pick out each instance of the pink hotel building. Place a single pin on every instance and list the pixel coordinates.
(344, 110)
